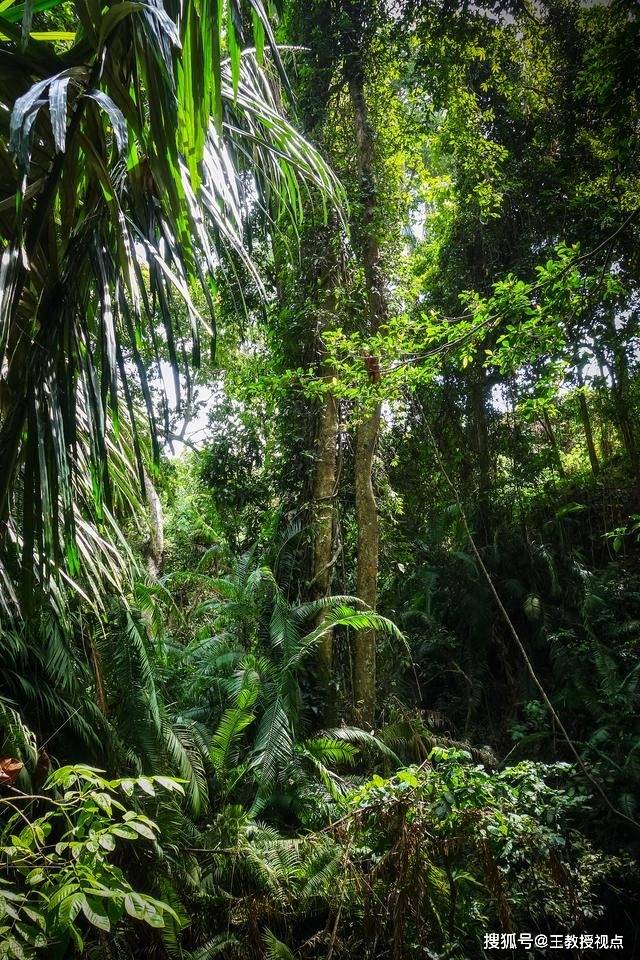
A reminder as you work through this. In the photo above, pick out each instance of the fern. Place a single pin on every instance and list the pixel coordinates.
(276, 949)
(223, 943)
(232, 724)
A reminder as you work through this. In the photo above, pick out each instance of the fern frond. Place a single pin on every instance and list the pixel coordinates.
(273, 747)
(216, 946)
(276, 949)
(355, 735)
(232, 724)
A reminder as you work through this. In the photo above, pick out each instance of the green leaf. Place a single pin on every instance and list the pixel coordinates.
(142, 829)
(147, 786)
(135, 906)
(94, 912)
(276, 949)
(115, 115)
(58, 110)
(169, 783)
(124, 831)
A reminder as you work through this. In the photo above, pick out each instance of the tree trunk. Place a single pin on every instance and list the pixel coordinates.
(602, 396)
(322, 256)
(478, 390)
(553, 443)
(364, 649)
(620, 391)
(364, 644)
(586, 424)
(155, 546)
(322, 519)
(322, 246)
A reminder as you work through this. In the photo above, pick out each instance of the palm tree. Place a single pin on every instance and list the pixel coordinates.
(244, 677)
(131, 153)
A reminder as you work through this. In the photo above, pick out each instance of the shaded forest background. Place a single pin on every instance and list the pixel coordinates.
(319, 461)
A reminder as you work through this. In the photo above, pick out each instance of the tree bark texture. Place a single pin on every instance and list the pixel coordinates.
(585, 417)
(364, 644)
(621, 395)
(322, 518)
(364, 647)
(155, 547)
(553, 443)
(323, 440)
(479, 428)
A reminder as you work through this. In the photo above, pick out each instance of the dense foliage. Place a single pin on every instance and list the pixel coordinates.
(319, 458)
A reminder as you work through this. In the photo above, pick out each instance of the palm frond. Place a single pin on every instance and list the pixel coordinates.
(217, 945)
(276, 949)
(273, 747)
(355, 735)
(137, 154)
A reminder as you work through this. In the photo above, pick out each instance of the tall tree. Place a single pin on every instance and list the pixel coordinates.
(321, 276)
(361, 23)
